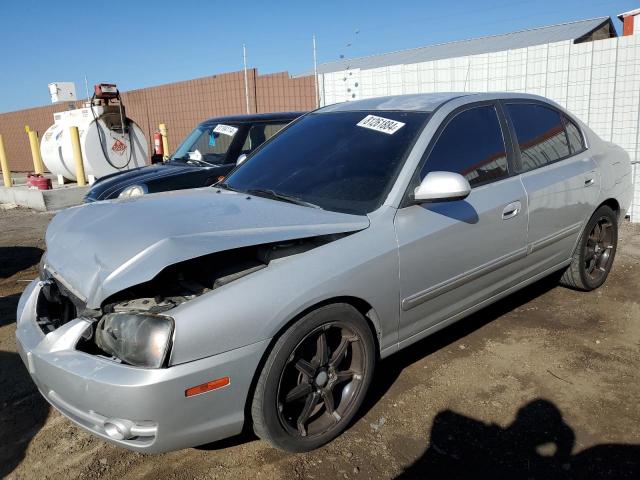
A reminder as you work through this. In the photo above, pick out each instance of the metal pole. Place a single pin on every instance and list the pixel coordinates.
(6, 173)
(246, 81)
(86, 88)
(77, 156)
(315, 72)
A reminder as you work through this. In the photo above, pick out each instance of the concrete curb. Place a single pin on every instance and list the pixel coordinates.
(43, 200)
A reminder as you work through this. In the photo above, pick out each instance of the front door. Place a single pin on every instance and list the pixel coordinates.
(455, 254)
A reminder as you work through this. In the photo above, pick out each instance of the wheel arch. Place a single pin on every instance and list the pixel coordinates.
(613, 204)
(361, 305)
(610, 202)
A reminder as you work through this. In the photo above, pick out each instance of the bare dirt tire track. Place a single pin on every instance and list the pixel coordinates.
(547, 357)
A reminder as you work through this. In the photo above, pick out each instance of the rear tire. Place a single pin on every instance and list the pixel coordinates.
(593, 256)
(315, 379)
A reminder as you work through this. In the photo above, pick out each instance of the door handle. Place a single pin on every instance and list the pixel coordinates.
(511, 210)
(589, 181)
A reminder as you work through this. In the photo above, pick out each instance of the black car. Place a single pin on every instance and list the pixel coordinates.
(208, 153)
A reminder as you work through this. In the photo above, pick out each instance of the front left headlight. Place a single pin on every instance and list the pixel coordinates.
(140, 339)
(132, 191)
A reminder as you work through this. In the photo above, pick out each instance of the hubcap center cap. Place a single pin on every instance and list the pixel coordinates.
(321, 379)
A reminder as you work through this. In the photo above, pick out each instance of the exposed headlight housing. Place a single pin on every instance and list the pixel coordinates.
(42, 273)
(140, 339)
(133, 191)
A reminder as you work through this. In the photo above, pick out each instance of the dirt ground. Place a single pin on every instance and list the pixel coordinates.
(544, 384)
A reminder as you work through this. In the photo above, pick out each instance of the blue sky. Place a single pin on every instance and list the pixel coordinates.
(138, 44)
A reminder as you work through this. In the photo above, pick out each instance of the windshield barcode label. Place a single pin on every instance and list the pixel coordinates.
(225, 129)
(380, 124)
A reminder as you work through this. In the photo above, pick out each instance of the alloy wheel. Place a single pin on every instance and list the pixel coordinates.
(598, 248)
(321, 380)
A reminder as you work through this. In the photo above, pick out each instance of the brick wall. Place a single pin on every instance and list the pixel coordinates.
(278, 93)
(15, 138)
(179, 105)
(182, 105)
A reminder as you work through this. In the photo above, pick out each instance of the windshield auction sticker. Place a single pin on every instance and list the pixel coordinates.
(225, 129)
(380, 124)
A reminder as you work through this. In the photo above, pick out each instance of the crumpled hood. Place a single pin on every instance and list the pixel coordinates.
(99, 249)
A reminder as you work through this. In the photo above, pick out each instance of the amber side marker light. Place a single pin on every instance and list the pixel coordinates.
(207, 387)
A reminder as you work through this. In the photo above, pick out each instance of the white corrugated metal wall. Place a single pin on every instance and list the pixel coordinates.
(597, 81)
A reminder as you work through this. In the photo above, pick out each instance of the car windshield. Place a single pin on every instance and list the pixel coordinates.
(206, 145)
(340, 161)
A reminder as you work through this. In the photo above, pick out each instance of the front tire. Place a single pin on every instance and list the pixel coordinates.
(314, 379)
(594, 253)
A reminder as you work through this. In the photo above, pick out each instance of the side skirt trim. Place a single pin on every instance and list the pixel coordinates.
(554, 237)
(448, 321)
(459, 280)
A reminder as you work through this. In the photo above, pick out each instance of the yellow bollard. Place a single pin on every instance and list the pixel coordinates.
(77, 156)
(6, 173)
(165, 141)
(38, 166)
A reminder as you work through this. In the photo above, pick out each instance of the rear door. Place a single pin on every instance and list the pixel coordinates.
(455, 254)
(559, 176)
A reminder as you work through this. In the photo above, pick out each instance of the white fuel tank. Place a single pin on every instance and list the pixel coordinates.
(106, 148)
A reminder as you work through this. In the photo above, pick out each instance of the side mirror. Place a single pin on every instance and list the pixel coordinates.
(241, 159)
(442, 186)
(155, 158)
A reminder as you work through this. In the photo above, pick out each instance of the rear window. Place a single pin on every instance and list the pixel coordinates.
(540, 134)
(576, 141)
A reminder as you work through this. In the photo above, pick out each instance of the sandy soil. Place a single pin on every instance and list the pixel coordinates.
(544, 384)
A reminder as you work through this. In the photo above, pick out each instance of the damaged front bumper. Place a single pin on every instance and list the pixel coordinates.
(140, 409)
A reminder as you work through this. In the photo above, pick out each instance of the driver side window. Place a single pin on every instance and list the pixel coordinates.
(258, 134)
(472, 145)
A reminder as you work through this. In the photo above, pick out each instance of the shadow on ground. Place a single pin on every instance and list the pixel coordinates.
(8, 307)
(538, 444)
(23, 411)
(388, 371)
(16, 259)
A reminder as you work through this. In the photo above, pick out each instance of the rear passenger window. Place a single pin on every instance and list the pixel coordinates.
(540, 134)
(576, 142)
(472, 145)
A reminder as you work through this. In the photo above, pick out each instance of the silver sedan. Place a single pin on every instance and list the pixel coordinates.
(176, 319)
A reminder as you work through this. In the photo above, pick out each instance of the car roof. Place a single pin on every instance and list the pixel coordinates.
(421, 102)
(255, 117)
